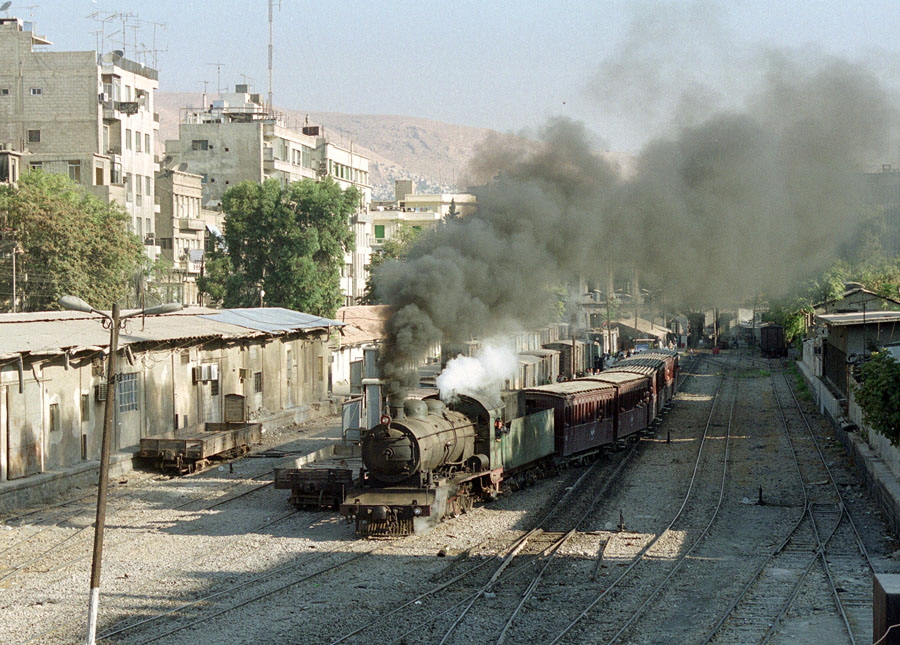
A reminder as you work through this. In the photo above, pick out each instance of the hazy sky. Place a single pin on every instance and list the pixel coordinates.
(622, 68)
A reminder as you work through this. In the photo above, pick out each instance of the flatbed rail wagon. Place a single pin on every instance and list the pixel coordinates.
(193, 448)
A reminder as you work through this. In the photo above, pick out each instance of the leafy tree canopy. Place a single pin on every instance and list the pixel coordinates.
(875, 272)
(73, 243)
(878, 395)
(287, 242)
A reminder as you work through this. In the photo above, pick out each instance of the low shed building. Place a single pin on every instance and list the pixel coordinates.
(847, 337)
(173, 370)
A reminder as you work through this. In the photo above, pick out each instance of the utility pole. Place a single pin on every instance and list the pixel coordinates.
(636, 296)
(112, 322)
(17, 250)
(271, 23)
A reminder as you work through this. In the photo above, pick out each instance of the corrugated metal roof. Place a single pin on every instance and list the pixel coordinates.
(271, 319)
(50, 332)
(859, 317)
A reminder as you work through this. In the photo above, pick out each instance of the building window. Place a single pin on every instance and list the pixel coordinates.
(34, 136)
(257, 382)
(37, 91)
(36, 165)
(75, 171)
(147, 190)
(126, 392)
(146, 143)
(127, 139)
(4, 91)
(128, 187)
(137, 141)
(200, 144)
(54, 417)
(85, 407)
(379, 231)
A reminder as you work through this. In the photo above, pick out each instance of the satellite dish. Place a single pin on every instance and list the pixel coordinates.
(6, 5)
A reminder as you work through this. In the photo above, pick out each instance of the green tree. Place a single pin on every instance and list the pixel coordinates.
(453, 213)
(394, 248)
(878, 395)
(285, 242)
(73, 243)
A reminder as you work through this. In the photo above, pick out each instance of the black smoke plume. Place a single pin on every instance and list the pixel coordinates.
(720, 209)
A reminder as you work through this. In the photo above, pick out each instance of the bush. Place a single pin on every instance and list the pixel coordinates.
(878, 395)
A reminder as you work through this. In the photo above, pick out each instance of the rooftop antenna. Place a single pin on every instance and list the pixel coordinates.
(6, 5)
(154, 52)
(271, 21)
(218, 78)
(105, 16)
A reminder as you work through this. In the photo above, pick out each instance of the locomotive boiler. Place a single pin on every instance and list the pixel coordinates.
(427, 438)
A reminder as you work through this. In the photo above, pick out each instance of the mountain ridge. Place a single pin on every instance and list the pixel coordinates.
(434, 154)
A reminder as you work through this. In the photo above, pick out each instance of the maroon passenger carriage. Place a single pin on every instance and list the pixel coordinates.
(583, 414)
(661, 363)
(635, 399)
(595, 411)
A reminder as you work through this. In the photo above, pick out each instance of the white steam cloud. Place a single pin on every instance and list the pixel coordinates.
(485, 372)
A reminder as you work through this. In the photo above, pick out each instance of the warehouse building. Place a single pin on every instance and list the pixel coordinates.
(173, 370)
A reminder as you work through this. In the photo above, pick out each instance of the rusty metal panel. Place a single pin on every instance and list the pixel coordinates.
(24, 430)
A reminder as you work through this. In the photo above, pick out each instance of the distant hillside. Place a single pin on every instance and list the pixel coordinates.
(433, 154)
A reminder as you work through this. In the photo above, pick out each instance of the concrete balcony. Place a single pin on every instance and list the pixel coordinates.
(191, 224)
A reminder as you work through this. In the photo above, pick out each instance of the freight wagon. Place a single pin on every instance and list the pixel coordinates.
(190, 449)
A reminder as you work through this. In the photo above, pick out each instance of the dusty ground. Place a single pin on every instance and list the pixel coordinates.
(190, 553)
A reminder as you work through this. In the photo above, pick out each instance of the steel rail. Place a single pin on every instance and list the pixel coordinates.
(640, 555)
(807, 513)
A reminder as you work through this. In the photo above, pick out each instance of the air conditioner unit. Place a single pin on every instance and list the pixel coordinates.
(208, 372)
(100, 392)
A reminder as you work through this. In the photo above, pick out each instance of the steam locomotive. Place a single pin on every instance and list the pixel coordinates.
(428, 460)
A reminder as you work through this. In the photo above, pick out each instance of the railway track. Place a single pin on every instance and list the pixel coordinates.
(651, 559)
(497, 589)
(493, 598)
(56, 556)
(822, 552)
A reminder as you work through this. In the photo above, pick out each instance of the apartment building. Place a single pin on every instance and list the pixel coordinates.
(85, 115)
(185, 230)
(238, 138)
(415, 210)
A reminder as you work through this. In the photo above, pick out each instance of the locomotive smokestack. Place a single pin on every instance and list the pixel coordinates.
(395, 403)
